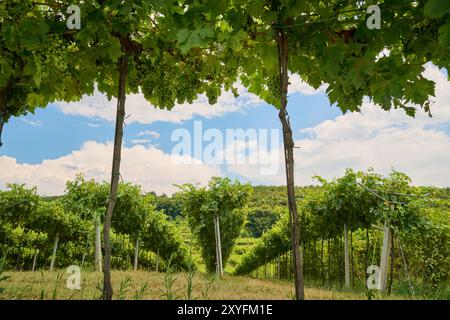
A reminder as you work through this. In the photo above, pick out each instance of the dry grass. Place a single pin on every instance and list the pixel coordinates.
(150, 285)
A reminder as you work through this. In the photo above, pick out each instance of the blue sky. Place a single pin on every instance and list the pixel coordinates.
(49, 133)
(49, 147)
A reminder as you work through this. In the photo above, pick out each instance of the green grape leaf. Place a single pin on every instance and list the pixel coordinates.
(436, 8)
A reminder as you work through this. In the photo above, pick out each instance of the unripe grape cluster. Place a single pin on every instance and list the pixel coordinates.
(429, 29)
(186, 89)
(274, 84)
(167, 97)
(213, 94)
(54, 55)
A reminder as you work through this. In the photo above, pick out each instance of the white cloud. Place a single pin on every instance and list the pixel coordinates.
(149, 133)
(297, 85)
(37, 123)
(147, 166)
(94, 125)
(140, 141)
(373, 138)
(141, 111)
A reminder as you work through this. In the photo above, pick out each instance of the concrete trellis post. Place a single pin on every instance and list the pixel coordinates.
(98, 248)
(218, 246)
(387, 234)
(347, 259)
(55, 248)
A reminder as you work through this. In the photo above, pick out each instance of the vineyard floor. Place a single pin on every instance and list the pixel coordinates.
(152, 285)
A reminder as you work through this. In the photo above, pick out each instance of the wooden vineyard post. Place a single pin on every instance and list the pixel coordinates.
(385, 256)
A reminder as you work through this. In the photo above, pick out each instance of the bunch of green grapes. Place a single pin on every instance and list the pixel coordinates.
(274, 84)
(135, 75)
(148, 87)
(186, 89)
(429, 29)
(167, 98)
(54, 55)
(213, 93)
(162, 93)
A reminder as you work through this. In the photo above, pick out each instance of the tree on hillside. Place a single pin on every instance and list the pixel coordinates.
(169, 205)
(261, 219)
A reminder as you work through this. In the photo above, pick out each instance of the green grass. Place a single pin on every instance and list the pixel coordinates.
(152, 285)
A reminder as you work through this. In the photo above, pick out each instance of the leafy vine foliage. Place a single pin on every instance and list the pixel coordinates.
(174, 51)
(30, 223)
(412, 213)
(324, 44)
(223, 198)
